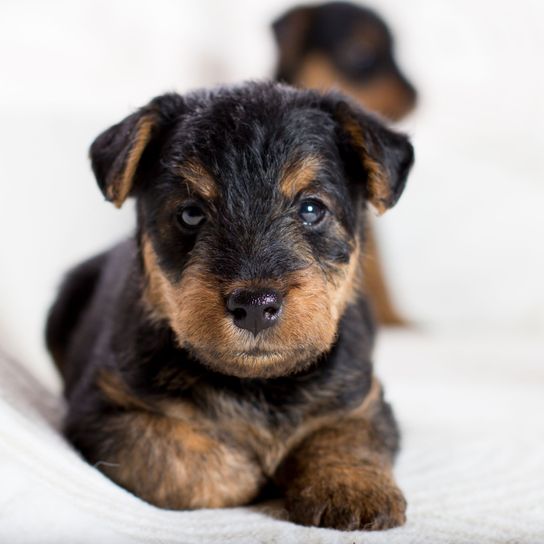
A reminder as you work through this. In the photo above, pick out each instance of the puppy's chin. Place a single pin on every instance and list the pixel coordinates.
(256, 363)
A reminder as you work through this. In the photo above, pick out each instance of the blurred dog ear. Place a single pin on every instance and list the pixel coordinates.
(291, 32)
(382, 157)
(117, 153)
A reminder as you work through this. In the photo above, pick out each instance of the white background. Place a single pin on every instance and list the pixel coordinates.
(465, 246)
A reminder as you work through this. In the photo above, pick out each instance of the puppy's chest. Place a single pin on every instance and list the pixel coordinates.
(267, 433)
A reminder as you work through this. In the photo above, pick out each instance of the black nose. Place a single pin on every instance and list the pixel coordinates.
(254, 310)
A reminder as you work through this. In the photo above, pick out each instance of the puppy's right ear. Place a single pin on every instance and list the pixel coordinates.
(116, 153)
(291, 33)
(379, 157)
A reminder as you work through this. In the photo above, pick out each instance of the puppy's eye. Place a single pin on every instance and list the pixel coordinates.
(311, 212)
(190, 217)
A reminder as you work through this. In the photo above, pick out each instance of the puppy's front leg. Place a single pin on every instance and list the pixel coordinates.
(169, 462)
(341, 475)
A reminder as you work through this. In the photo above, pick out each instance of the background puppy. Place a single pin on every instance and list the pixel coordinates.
(228, 343)
(348, 47)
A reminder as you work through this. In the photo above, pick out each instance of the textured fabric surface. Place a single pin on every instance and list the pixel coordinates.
(472, 464)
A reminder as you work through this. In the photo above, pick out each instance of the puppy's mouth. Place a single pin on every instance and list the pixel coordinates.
(255, 362)
(260, 353)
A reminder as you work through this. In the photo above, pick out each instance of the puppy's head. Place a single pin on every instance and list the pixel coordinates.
(345, 45)
(251, 204)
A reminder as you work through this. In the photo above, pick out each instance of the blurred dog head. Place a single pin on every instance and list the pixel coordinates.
(250, 206)
(347, 46)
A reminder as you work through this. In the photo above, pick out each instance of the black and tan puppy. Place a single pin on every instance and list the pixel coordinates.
(344, 45)
(227, 345)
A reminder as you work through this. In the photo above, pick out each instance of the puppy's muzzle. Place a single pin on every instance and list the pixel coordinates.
(254, 310)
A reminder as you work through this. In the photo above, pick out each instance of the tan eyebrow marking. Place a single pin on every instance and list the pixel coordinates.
(298, 175)
(199, 179)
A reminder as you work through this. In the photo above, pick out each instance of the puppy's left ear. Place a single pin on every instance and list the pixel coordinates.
(117, 153)
(382, 157)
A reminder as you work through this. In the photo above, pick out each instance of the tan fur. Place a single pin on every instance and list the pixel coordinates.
(344, 492)
(195, 309)
(119, 189)
(117, 392)
(299, 175)
(375, 284)
(178, 464)
(199, 179)
(385, 94)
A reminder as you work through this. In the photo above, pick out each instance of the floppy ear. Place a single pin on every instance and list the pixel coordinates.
(291, 31)
(116, 153)
(383, 157)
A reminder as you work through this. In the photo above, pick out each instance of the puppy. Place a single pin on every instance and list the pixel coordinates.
(227, 344)
(348, 47)
(343, 45)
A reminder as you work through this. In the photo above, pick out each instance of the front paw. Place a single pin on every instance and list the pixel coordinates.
(347, 499)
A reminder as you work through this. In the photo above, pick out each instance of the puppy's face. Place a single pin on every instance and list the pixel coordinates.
(251, 203)
(346, 46)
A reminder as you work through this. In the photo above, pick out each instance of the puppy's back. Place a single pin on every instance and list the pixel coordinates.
(83, 309)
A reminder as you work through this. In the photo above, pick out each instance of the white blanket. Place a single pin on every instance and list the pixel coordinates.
(472, 464)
